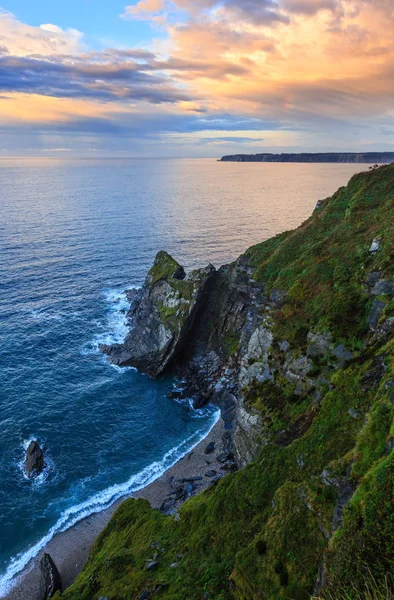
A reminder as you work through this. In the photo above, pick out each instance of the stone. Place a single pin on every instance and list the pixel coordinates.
(174, 565)
(189, 489)
(177, 517)
(375, 313)
(318, 344)
(152, 564)
(383, 287)
(224, 457)
(210, 448)
(284, 345)
(50, 581)
(34, 461)
(211, 473)
(372, 278)
(144, 595)
(341, 353)
(375, 246)
(260, 342)
(277, 298)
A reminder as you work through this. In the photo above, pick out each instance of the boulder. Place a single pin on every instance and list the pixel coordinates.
(34, 461)
(161, 316)
(211, 473)
(382, 288)
(50, 582)
(210, 448)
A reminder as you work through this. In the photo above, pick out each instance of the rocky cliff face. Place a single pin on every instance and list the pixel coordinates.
(161, 316)
(295, 341)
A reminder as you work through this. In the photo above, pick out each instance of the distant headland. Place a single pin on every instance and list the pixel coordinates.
(319, 157)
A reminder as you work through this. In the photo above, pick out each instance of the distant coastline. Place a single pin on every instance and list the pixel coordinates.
(319, 157)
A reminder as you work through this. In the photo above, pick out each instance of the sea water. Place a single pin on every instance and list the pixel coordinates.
(74, 235)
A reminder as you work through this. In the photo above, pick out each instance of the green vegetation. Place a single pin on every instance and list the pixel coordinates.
(164, 267)
(264, 531)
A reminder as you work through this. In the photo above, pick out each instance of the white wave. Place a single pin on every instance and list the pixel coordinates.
(114, 328)
(100, 502)
(47, 314)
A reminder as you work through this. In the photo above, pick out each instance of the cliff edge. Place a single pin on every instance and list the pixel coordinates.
(294, 341)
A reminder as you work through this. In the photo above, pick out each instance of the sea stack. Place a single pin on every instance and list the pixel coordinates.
(34, 461)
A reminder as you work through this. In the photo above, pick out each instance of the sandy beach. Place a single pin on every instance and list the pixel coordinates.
(70, 549)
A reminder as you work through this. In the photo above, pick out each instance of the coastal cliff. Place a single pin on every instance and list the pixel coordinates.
(294, 342)
(317, 157)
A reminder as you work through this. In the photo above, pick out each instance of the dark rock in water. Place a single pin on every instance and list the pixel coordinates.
(34, 461)
(50, 582)
(175, 394)
(210, 448)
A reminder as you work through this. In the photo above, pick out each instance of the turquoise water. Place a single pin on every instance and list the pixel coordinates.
(73, 236)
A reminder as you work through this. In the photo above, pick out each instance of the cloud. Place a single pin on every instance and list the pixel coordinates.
(279, 69)
(20, 39)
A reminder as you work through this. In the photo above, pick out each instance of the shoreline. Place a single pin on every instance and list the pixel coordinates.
(70, 549)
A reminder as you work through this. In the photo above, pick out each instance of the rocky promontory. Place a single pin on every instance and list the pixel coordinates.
(295, 342)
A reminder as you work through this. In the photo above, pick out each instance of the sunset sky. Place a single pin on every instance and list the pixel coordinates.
(195, 77)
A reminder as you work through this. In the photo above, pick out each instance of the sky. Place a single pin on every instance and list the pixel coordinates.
(195, 78)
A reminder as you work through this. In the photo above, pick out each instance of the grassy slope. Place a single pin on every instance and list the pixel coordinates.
(262, 532)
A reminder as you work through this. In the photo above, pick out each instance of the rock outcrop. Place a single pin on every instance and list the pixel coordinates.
(34, 461)
(50, 582)
(161, 316)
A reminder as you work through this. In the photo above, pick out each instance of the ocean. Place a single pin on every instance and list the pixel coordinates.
(74, 235)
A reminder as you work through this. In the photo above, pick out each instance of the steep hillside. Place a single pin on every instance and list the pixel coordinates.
(297, 335)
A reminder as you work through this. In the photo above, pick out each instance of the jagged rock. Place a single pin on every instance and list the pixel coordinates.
(50, 581)
(375, 246)
(161, 316)
(34, 461)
